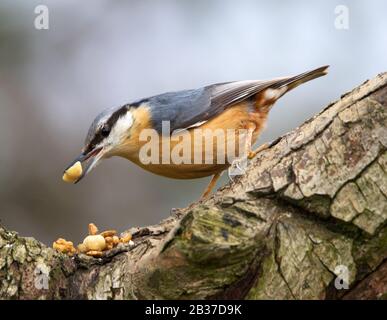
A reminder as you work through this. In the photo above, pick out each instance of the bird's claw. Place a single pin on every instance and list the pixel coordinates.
(237, 168)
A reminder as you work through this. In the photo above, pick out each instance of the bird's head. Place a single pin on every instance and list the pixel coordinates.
(107, 134)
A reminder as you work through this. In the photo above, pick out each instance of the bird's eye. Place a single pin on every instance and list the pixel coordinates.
(105, 131)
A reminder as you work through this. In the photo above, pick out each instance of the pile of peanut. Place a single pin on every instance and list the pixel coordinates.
(94, 244)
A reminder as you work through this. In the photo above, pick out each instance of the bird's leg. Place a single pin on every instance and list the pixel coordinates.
(249, 142)
(211, 185)
(252, 153)
(238, 164)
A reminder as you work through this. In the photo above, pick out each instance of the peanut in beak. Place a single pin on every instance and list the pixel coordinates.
(72, 174)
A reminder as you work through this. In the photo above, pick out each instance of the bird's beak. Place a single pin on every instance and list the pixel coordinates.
(91, 159)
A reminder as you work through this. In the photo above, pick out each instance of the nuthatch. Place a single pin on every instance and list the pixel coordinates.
(235, 106)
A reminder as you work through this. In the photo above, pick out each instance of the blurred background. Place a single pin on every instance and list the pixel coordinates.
(100, 54)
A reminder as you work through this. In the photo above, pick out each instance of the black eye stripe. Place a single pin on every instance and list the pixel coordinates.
(105, 130)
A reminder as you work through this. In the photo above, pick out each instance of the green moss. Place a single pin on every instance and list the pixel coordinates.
(269, 284)
(19, 252)
(209, 253)
(369, 252)
(318, 204)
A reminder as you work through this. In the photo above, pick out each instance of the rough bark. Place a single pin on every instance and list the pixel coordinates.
(314, 200)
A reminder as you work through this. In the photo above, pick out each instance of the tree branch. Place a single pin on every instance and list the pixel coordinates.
(310, 207)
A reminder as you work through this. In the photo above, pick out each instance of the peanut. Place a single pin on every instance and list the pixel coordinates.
(93, 230)
(73, 173)
(64, 246)
(116, 240)
(94, 253)
(95, 243)
(109, 233)
(82, 248)
(126, 238)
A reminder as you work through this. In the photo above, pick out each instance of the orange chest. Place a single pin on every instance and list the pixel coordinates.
(225, 126)
(195, 152)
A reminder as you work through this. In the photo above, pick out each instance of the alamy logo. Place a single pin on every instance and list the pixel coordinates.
(41, 277)
(41, 21)
(342, 279)
(342, 17)
(195, 146)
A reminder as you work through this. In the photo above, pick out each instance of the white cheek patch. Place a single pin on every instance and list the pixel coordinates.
(121, 128)
(274, 94)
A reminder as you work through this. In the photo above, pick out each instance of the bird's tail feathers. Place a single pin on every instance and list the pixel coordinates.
(293, 82)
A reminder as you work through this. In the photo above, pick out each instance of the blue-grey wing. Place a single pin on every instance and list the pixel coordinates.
(184, 109)
(190, 108)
